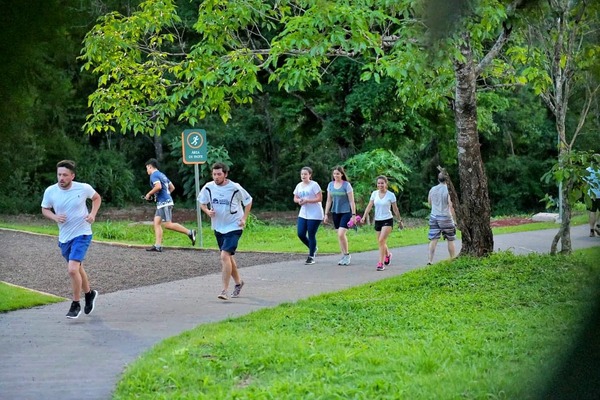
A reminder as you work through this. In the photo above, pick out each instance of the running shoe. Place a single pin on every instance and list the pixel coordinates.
(192, 236)
(154, 248)
(237, 289)
(74, 311)
(310, 260)
(380, 267)
(346, 260)
(387, 259)
(223, 296)
(342, 260)
(90, 301)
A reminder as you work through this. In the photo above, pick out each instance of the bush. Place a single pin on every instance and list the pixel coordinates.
(109, 173)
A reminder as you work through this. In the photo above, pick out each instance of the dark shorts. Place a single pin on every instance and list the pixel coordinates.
(165, 213)
(229, 241)
(76, 248)
(385, 222)
(442, 226)
(595, 205)
(340, 220)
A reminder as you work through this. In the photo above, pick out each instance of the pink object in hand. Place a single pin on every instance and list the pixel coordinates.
(352, 224)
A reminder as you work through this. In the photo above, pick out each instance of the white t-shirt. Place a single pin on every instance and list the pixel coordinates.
(309, 192)
(383, 206)
(228, 201)
(72, 203)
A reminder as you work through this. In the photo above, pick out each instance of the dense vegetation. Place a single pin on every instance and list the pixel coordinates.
(45, 103)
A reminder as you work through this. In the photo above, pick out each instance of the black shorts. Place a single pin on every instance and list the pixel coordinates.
(340, 220)
(385, 222)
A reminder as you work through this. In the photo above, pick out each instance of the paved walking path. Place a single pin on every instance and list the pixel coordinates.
(43, 355)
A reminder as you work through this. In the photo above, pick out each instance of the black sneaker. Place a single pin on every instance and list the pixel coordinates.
(74, 311)
(154, 248)
(237, 289)
(90, 301)
(192, 237)
(310, 260)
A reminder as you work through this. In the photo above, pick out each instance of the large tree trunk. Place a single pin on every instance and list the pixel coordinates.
(473, 214)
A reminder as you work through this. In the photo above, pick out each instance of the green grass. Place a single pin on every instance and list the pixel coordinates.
(492, 328)
(16, 298)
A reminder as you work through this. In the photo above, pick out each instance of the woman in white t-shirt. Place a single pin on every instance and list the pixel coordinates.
(384, 202)
(309, 195)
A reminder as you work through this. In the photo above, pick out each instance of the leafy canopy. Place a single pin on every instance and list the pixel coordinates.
(152, 69)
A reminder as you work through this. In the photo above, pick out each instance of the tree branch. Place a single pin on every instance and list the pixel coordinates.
(590, 94)
(500, 41)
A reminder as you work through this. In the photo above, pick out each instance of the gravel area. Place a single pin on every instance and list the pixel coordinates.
(34, 261)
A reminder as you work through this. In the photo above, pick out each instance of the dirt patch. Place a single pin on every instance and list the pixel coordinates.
(34, 261)
(510, 222)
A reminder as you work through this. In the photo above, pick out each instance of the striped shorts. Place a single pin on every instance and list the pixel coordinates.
(441, 226)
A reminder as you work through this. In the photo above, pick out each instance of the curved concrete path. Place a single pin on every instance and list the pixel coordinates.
(43, 355)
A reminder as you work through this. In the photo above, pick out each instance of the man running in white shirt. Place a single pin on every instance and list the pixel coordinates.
(228, 205)
(65, 203)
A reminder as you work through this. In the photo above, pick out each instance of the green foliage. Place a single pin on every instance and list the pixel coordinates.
(374, 76)
(221, 69)
(496, 327)
(109, 173)
(515, 184)
(23, 194)
(364, 168)
(570, 170)
(109, 231)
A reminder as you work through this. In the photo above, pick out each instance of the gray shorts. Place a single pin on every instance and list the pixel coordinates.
(165, 213)
(441, 226)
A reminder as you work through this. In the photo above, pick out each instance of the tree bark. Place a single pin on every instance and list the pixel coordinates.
(564, 232)
(473, 214)
(158, 147)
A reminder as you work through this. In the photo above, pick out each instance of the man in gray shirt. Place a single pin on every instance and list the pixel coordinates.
(441, 222)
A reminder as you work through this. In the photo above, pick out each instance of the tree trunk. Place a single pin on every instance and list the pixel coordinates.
(564, 232)
(473, 214)
(158, 147)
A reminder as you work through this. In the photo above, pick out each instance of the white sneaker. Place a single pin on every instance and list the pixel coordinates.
(348, 258)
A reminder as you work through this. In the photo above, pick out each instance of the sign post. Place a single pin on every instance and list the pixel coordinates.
(193, 143)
